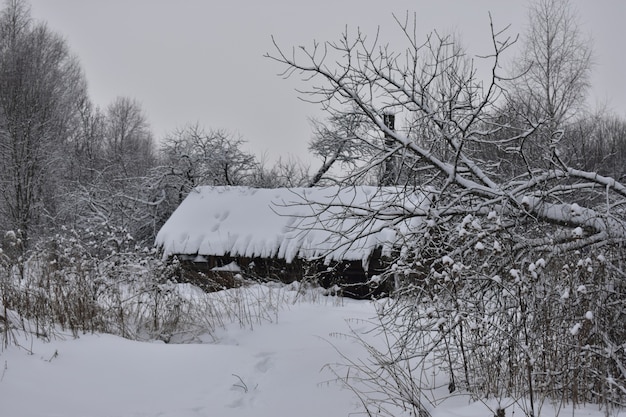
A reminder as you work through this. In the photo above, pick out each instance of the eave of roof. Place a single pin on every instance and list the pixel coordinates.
(332, 223)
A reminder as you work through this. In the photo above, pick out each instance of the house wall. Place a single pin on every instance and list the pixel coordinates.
(347, 277)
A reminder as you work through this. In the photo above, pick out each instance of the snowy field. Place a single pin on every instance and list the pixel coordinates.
(277, 368)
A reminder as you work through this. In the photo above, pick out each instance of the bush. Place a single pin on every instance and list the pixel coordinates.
(99, 281)
(478, 312)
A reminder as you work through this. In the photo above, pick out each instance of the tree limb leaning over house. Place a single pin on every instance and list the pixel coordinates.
(434, 85)
(497, 251)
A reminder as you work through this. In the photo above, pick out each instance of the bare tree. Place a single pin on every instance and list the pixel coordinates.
(128, 145)
(597, 143)
(476, 271)
(337, 142)
(548, 86)
(86, 149)
(111, 156)
(555, 64)
(289, 172)
(435, 83)
(41, 86)
(192, 156)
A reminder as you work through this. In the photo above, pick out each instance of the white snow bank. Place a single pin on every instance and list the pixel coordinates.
(274, 370)
(332, 223)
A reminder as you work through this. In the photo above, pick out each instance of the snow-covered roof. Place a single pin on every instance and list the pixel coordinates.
(332, 223)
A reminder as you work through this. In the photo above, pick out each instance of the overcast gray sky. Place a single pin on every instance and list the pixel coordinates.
(189, 61)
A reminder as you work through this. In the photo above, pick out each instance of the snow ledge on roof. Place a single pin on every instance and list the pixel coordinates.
(332, 223)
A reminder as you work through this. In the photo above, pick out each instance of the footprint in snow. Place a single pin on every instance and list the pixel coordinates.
(266, 362)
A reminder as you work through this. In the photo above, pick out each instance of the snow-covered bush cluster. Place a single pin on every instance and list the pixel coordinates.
(503, 322)
(100, 281)
(79, 282)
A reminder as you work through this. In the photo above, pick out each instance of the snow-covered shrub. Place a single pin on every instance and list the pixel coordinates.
(501, 321)
(79, 281)
(11, 250)
(98, 280)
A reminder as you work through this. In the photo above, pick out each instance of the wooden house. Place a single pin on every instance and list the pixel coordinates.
(339, 236)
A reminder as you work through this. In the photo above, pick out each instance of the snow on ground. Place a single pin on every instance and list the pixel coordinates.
(275, 369)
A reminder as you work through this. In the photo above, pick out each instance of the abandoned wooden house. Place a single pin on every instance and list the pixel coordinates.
(338, 236)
